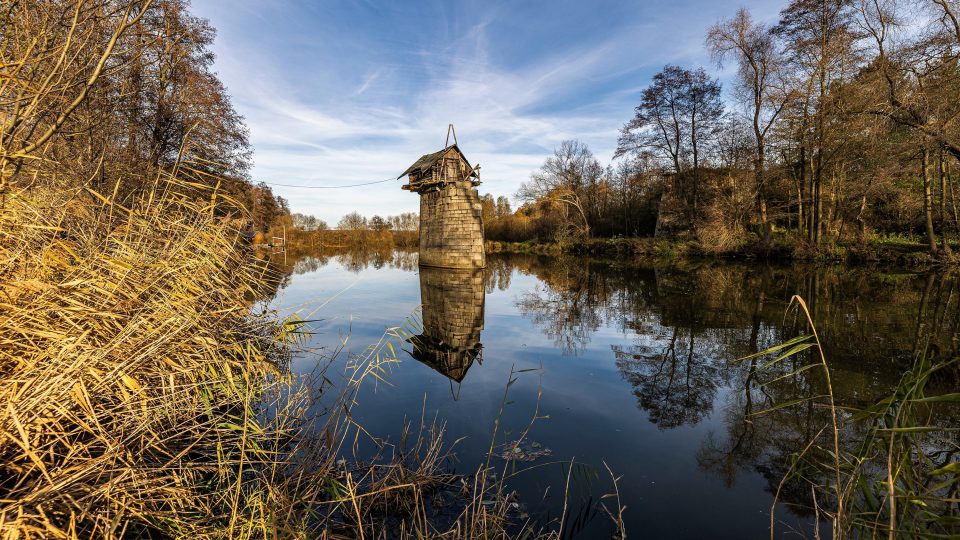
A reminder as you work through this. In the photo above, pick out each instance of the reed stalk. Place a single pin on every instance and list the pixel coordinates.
(892, 464)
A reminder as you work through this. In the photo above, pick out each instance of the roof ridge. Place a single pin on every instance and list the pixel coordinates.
(428, 160)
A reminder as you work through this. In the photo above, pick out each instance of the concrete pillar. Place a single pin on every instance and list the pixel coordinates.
(451, 227)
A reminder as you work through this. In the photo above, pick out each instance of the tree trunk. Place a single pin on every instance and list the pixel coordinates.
(816, 207)
(928, 201)
(953, 199)
(762, 191)
(819, 130)
(817, 211)
(801, 181)
(944, 240)
(861, 223)
(833, 201)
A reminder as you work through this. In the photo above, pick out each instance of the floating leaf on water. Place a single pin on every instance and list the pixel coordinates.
(514, 451)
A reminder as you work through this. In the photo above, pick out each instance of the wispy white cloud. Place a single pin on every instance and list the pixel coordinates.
(374, 102)
(367, 82)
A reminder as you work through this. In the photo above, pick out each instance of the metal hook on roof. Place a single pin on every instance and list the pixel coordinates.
(449, 131)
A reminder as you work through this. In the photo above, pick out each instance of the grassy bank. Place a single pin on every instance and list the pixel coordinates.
(348, 239)
(783, 247)
(145, 395)
(130, 368)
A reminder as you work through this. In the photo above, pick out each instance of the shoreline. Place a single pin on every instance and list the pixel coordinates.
(782, 249)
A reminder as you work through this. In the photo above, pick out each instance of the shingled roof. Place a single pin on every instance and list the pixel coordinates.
(427, 161)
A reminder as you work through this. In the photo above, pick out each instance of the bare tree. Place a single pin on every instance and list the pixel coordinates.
(353, 222)
(55, 54)
(678, 116)
(759, 61)
(407, 221)
(503, 206)
(379, 224)
(112, 94)
(819, 43)
(564, 179)
(919, 76)
(307, 222)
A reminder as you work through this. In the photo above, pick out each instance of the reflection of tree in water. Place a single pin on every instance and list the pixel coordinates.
(682, 343)
(726, 457)
(564, 316)
(358, 260)
(498, 274)
(766, 440)
(680, 358)
(570, 303)
(405, 260)
(354, 260)
(872, 325)
(309, 263)
(686, 328)
(674, 376)
(860, 313)
(763, 438)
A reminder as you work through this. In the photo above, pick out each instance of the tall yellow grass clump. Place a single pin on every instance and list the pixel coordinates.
(142, 397)
(131, 371)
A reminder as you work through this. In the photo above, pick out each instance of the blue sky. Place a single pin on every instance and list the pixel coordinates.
(341, 92)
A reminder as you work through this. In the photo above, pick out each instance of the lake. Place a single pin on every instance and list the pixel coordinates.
(636, 367)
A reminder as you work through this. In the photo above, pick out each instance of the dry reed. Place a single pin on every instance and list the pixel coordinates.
(131, 369)
(143, 397)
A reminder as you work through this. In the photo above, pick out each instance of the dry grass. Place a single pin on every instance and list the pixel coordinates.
(143, 397)
(131, 369)
(716, 234)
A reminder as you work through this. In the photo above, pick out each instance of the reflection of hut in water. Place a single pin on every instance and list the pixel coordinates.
(452, 302)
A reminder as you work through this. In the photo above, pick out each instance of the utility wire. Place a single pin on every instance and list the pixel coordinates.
(331, 187)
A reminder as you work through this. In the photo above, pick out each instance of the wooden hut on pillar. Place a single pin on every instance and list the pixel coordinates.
(451, 221)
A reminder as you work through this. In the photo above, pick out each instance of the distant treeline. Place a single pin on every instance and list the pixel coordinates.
(354, 230)
(843, 123)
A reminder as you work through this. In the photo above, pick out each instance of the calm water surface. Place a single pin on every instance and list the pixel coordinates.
(639, 371)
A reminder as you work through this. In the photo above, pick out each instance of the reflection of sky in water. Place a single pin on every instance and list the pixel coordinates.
(671, 425)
